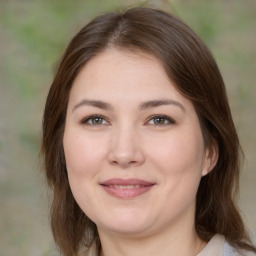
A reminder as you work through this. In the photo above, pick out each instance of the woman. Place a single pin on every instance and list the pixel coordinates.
(139, 144)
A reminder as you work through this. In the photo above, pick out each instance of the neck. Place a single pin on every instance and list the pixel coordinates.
(182, 241)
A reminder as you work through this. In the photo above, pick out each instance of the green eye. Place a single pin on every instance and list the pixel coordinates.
(161, 120)
(94, 120)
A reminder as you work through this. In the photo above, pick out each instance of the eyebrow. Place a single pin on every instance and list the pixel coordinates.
(160, 102)
(94, 103)
(143, 106)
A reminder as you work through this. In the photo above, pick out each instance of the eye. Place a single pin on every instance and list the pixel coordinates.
(94, 120)
(161, 120)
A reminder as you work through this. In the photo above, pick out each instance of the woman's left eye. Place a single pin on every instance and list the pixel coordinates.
(161, 120)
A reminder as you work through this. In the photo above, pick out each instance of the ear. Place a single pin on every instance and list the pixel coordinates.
(211, 158)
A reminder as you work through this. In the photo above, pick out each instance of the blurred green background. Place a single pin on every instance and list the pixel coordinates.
(33, 35)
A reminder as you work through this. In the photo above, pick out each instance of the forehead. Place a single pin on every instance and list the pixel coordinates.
(124, 62)
(123, 73)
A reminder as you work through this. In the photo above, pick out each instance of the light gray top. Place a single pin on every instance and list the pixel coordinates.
(217, 246)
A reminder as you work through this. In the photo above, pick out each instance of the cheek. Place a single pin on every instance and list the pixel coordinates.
(83, 160)
(180, 153)
(83, 153)
(180, 161)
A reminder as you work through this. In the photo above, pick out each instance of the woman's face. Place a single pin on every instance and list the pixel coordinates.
(133, 146)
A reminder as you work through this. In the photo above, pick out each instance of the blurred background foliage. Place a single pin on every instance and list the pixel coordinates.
(34, 34)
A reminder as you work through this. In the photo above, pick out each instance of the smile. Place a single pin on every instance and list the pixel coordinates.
(126, 189)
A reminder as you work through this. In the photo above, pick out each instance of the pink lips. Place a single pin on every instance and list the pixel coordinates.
(126, 188)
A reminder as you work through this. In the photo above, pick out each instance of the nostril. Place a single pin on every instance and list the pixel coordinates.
(124, 153)
(125, 164)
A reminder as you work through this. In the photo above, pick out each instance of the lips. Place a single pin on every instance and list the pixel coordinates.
(126, 188)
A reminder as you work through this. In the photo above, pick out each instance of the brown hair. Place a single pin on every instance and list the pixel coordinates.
(190, 65)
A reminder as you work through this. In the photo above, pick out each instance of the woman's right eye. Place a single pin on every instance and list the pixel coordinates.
(94, 120)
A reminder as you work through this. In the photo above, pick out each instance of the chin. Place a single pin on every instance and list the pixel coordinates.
(132, 225)
(127, 229)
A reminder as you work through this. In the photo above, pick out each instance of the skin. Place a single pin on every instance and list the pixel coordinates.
(130, 142)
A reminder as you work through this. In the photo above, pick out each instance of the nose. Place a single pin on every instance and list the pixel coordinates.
(125, 149)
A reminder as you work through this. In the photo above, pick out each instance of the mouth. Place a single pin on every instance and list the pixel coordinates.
(126, 188)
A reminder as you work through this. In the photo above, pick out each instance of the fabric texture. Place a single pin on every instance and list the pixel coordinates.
(217, 246)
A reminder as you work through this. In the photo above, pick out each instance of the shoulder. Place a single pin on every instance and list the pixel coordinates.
(229, 250)
(93, 250)
(218, 246)
(214, 247)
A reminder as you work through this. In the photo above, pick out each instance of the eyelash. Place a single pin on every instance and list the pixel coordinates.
(170, 121)
(87, 119)
(163, 117)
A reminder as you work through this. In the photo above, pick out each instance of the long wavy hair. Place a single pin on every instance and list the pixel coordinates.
(192, 69)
